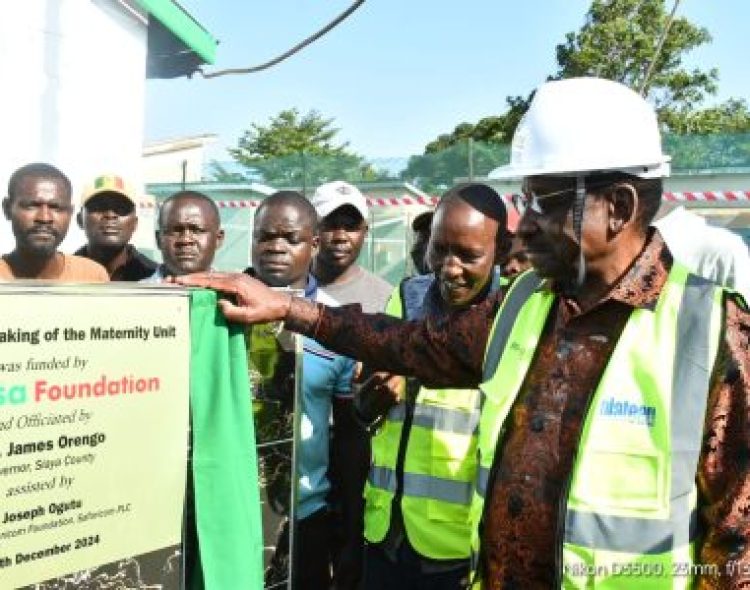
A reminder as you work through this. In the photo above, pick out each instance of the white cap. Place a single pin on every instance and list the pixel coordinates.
(330, 196)
(585, 125)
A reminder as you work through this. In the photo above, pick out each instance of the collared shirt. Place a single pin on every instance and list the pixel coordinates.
(137, 265)
(325, 375)
(521, 531)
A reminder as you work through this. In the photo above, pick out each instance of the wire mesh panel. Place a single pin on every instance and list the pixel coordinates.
(275, 366)
(392, 185)
(384, 251)
(234, 254)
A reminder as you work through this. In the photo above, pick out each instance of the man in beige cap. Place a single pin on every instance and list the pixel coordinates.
(39, 208)
(108, 217)
(342, 211)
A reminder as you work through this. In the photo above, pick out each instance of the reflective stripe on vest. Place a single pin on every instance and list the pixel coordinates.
(521, 289)
(422, 486)
(519, 292)
(483, 478)
(628, 535)
(439, 418)
(642, 509)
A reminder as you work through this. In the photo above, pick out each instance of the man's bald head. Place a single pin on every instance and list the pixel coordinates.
(294, 199)
(189, 232)
(285, 239)
(190, 196)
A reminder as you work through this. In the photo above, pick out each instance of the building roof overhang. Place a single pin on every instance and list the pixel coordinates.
(177, 43)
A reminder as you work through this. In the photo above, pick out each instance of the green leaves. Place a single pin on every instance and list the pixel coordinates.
(618, 40)
(299, 150)
(438, 170)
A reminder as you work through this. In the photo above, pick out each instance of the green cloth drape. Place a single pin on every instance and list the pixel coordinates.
(225, 472)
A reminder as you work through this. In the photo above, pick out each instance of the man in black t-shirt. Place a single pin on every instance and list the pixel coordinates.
(108, 217)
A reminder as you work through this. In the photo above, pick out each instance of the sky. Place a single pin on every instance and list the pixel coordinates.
(397, 73)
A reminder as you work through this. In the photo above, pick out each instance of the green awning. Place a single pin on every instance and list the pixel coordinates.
(177, 43)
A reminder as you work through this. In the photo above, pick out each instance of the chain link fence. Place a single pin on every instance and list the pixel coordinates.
(399, 188)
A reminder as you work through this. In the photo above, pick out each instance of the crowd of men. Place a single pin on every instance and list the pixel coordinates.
(39, 206)
(607, 444)
(306, 244)
(566, 406)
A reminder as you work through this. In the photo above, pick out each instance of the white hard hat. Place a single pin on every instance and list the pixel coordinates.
(583, 125)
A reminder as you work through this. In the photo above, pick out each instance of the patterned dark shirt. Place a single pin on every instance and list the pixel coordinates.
(521, 534)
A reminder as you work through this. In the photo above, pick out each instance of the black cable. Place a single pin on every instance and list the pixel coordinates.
(289, 53)
(651, 66)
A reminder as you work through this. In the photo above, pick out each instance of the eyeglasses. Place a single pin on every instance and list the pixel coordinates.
(548, 202)
(540, 204)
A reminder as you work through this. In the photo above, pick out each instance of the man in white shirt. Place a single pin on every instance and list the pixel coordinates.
(342, 211)
(711, 252)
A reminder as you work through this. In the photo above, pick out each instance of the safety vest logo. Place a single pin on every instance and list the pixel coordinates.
(626, 411)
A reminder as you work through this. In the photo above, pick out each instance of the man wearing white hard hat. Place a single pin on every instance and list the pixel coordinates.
(614, 435)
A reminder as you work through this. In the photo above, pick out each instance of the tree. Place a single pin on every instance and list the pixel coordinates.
(435, 172)
(731, 116)
(451, 156)
(494, 129)
(220, 172)
(299, 150)
(619, 40)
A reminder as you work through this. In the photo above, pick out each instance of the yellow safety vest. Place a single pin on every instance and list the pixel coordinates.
(628, 518)
(439, 460)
